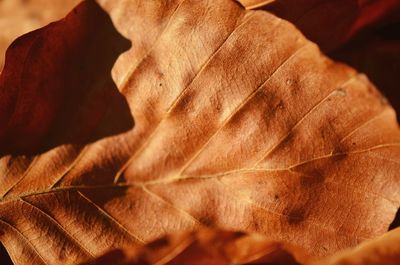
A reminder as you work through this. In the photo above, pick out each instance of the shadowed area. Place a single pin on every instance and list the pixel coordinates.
(4, 257)
(332, 23)
(18, 17)
(56, 86)
(204, 247)
(377, 54)
(396, 221)
(366, 37)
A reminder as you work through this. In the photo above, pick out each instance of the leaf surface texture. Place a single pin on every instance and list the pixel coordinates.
(240, 123)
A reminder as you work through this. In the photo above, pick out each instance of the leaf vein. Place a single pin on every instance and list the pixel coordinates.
(25, 238)
(281, 140)
(240, 106)
(371, 119)
(311, 222)
(181, 211)
(124, 84)
(176, 100)
(110, 217)
(53, 220)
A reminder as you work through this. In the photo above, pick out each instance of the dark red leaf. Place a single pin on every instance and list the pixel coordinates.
(58, 78)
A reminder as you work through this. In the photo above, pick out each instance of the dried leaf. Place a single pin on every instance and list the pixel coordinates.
(207, 247)
(219, 247)
(21, 16)
(383, 250)
(56, 86)
(329, 23)
(240, 124)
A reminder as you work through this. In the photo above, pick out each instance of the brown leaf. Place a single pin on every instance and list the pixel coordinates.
(383, 250)
(240, 124)
(330, 23)
(21, 16)
(220, 247)
(56, 86)
(207, 247)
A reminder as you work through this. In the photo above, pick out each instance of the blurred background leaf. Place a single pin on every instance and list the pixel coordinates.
(18, 17)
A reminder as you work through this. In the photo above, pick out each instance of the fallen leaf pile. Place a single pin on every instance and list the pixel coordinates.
(130, 122)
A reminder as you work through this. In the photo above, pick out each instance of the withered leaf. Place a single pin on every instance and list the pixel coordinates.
(56, 87)
(220, 247)
(382, 250)
(240, 123)
(207, 247)
(330, 23)
(20, 16)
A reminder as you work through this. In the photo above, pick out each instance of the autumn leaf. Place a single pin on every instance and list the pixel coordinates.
(21, 16)
(221, 247)
(382, 250)
(363, 34)
(330, 23)
(207, 247)
(240, 123)
(56, 86)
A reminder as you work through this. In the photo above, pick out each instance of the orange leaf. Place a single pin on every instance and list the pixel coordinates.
(382, 250)
(220, 247)
(207, 247)
(240, 124)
